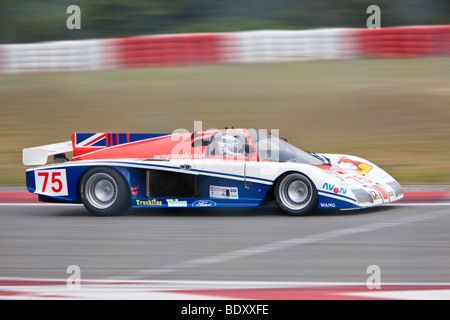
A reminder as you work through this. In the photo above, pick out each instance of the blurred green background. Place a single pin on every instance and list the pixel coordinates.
(394, 112)
(41, 20)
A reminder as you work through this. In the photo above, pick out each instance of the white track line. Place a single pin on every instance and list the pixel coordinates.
(284, 244)
(175, 289)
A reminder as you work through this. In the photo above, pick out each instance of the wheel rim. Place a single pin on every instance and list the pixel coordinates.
(101, 191)
(295, 193)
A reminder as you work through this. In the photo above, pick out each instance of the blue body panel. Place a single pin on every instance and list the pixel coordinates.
(327, 202)
(248, 194)
(193, 202)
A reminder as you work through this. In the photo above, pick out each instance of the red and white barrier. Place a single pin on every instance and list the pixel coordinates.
(220, 48)
(403, 42)
(53, 56)
(171, 50)
(281, 45)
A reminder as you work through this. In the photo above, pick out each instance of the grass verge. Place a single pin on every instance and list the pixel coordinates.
(395, 113)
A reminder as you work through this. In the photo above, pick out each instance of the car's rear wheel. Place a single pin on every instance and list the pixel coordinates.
(296, 194)
(105, 192)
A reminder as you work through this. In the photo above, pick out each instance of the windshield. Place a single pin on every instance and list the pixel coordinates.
(272, 148)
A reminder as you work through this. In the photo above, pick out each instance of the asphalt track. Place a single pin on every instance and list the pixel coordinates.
(409, 243)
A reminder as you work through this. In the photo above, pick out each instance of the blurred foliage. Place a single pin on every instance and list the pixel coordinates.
(32, 20)
(393, 112)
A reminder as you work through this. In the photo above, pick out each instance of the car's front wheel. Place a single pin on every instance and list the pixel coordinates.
(296, 194)
(105, 192)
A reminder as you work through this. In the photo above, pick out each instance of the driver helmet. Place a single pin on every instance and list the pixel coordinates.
(230, 145)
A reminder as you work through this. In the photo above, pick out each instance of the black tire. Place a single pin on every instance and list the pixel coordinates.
(296, 194)
(105, 192)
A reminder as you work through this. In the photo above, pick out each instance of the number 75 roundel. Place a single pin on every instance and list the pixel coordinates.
(51, 182)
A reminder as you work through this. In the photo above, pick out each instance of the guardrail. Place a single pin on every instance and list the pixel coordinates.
(220, 48)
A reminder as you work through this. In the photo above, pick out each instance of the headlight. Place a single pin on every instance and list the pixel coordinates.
(396, 186)
(362, 195)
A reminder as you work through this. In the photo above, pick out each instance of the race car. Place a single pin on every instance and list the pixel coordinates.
(112, 172)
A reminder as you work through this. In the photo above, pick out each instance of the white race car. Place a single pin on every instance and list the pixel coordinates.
(112, 172)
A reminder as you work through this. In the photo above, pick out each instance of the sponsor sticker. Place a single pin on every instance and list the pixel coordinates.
(223, 192)
(204, 203)
(327, 205)
(333, 188)
(360, 167)
(152, 202)
(135, 190)
(375, 195)
(176, 203)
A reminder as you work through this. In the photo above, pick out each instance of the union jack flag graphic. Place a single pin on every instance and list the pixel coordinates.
(105, 140)
(87, 140)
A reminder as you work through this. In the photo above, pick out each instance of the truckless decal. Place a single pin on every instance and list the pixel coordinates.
(152, 202)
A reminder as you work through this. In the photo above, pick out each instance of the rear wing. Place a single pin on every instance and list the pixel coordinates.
(38, 156)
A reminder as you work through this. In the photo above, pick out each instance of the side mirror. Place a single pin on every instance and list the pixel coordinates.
(249, 149)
